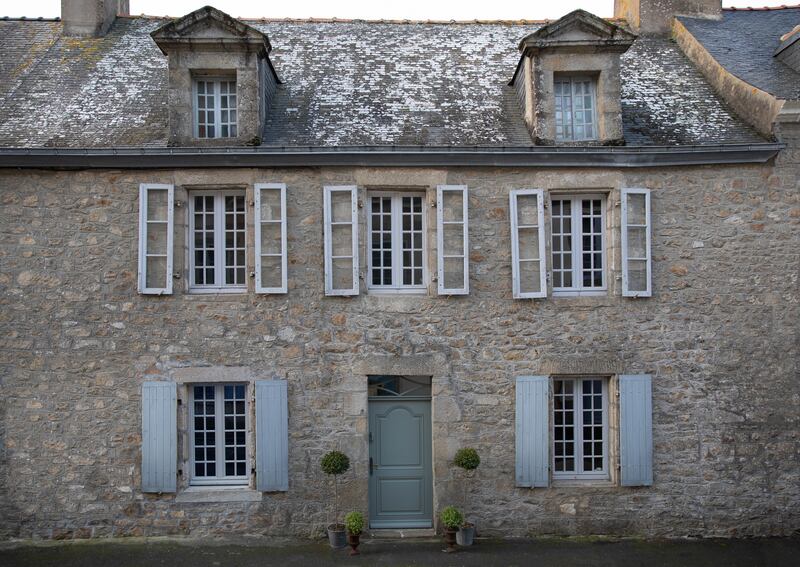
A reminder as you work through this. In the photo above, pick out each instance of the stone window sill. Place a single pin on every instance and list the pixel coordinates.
(585, 483)
(211, 494)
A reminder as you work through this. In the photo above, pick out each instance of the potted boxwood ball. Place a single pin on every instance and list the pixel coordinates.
(335, 463)
(451, 520)
(354, 522)
(468, 460)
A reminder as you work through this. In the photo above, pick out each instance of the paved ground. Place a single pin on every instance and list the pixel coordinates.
(486, 553)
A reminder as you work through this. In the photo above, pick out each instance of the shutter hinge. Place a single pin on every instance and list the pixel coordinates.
(178, 204)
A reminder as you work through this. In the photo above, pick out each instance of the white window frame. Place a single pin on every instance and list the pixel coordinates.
(219, 431)
(397, 240)
(440, 223)
(328, 238)
(219, 242)
(258, 188)
(217, 80)
(144, 190)
(572, 79)
(648, 230)
(578, 425)
(515, 258)
(577, 289)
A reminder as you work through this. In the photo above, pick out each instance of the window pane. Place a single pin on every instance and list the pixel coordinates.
(203, 437)
(341, 207)
(342, 273)
(592, 242)
(561, 244)
(381, 240)
(453, 206)
(637, 275)
(453, 239)
(271, 205)
(271, 271)
(156, 272)
(157, 204)
(563, 444)
(234, 423)
(453, 273)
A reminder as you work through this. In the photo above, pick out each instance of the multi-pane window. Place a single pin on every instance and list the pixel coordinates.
(580, 428)
(215, 108)
(396, 236)
(218, 435)
(578, 248)
(217, 241)
(575, 108)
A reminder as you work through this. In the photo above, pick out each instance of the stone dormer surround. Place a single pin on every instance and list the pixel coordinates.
(578, 43)
(208, 42)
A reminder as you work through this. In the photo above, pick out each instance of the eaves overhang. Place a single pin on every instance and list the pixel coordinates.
(387, 156)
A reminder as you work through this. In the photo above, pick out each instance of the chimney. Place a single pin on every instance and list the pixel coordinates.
(654, 17)
(91, 18)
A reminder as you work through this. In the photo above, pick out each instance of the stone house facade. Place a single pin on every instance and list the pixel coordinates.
(229, 247)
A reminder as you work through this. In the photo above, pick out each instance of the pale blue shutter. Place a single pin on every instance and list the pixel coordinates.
(272, 436)
(532, 432)
(159, 437)
(636, 430)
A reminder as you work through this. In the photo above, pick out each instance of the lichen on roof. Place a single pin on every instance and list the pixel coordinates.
(346, 83)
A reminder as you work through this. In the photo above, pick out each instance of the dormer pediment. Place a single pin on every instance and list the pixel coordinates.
(579, 29)
(211, 29)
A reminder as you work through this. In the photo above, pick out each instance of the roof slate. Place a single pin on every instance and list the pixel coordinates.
(744, 42)
(345, 84)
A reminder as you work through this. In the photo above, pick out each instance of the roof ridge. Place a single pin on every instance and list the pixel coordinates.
(370, 21)
(762, 9)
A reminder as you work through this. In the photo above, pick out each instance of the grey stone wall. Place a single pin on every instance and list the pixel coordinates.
(655, 16)
(719, 336)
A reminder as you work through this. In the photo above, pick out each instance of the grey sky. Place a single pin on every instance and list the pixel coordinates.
(366, 9)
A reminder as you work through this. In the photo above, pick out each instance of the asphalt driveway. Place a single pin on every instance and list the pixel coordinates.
(486, 553)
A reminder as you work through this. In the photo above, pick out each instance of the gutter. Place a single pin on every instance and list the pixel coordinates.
(387, 156)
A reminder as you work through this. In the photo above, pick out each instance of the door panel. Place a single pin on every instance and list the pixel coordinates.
(400, 483)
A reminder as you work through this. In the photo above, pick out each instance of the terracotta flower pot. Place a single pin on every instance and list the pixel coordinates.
(352, 541)
(450, 539)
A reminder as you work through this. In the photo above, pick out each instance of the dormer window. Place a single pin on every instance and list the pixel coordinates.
(575, 108)
(568, 81)
(221, 80)
(215, 108)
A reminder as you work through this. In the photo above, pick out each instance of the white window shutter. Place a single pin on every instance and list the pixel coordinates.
(272, 436)
(532, 431)
(636, 234)
(156, 227)
(159, 437)
(270, 233)
(341, 240)
(636, 430)
(452, 237)
(528, 266)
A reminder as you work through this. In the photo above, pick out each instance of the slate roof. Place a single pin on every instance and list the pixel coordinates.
(744, 42)
(345, 84)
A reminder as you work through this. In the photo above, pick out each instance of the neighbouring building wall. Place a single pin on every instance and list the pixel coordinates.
(655, 16)
(719, 336)
(757, 107)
